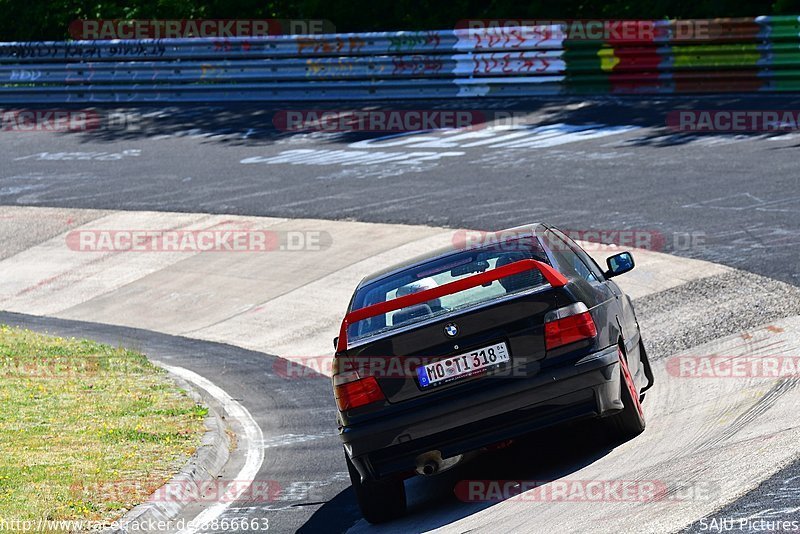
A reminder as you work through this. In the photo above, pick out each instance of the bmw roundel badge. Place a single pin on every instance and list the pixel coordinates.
(451, 330)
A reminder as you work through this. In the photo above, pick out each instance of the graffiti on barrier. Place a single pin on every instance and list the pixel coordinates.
(511, 63)
(83, 51)
(412, 65)
(330, 46)
(510, 38)
(333, 68)
(25, 75)
(412, 40)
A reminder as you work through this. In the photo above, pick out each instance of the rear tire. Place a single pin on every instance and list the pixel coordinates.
(379, 500)
(630, 421)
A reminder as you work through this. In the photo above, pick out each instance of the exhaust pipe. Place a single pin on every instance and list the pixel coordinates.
(431, 462)
(430, 468)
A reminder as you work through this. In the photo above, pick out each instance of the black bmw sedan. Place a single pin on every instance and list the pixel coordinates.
(479, 343)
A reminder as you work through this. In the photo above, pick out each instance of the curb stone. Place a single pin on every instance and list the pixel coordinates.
(204, 466)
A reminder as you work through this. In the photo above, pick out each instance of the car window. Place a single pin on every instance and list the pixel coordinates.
(582, 254)
(443, 271)
(567, 261)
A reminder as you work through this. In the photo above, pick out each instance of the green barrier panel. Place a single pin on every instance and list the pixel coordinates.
(585, 58)
(582, 84)
(784, 34)
(784, 80)
(777, 20)
(780, 28)
(783, 56)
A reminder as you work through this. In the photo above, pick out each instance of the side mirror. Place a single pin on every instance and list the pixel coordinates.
(335, 342)
(619, 264)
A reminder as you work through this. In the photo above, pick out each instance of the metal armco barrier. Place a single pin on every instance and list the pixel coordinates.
(692, 56)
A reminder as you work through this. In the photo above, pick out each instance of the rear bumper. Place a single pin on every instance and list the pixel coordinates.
(589, 387)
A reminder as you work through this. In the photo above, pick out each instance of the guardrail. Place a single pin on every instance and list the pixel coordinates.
(730, 55)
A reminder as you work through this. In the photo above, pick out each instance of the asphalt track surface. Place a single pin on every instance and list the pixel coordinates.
(739, 192)
(609, 164)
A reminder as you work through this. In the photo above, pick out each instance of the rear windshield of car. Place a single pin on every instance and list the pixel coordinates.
(443, 271)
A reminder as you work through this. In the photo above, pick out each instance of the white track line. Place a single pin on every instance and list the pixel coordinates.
(254, 456)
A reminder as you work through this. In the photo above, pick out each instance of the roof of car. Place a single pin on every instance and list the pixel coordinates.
(455, 247)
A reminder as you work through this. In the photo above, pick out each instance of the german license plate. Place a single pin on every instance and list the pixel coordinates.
(463, 365)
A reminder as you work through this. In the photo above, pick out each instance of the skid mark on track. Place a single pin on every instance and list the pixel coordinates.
(763, 404)
(292, 439)
(746, 201)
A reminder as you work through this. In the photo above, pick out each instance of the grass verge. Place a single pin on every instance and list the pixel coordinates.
(87, 431)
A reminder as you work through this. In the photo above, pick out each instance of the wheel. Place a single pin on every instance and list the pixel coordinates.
(379, 500)
(630, 421)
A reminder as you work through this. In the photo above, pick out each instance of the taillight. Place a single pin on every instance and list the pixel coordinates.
(352, 391)
(568, 325)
